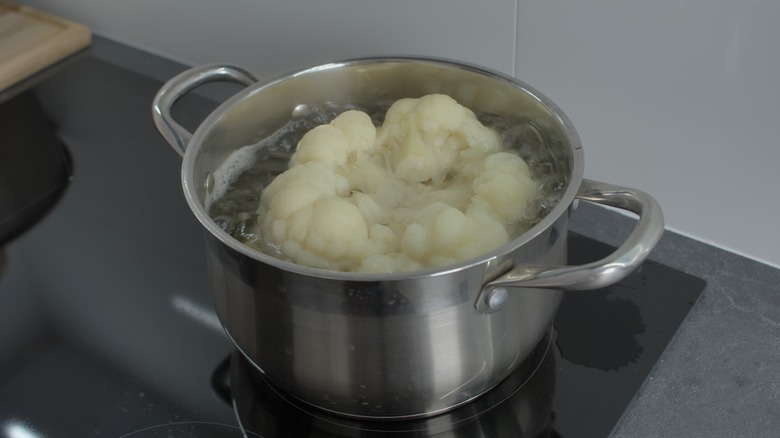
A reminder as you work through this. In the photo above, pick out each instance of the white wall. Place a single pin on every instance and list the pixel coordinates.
(678, 98)
(271, 37)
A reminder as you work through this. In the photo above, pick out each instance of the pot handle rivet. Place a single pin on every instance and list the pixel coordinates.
(496, 298)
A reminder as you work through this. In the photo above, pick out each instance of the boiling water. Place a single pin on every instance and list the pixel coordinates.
(239, 182)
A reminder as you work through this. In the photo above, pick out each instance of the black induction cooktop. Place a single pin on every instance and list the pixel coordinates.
(107, 327)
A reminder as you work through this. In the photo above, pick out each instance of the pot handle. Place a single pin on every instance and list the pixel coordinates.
(183, 83)
(595, 275)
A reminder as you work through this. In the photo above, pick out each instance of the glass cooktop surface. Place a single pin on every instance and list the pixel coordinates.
(107, 327)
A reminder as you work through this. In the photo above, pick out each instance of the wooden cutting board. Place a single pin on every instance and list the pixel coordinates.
(31, 40)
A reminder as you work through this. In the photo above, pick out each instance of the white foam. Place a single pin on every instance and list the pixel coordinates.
(227, 172)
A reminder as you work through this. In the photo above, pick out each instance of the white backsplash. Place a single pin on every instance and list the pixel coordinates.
(678, 98)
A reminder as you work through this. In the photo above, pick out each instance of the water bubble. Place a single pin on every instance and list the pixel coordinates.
(300, 111)
(209, 183)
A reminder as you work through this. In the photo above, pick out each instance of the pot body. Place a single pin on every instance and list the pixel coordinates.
(397, 348)
(401, 345)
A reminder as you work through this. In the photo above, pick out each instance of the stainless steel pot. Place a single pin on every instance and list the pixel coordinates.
(402, 345)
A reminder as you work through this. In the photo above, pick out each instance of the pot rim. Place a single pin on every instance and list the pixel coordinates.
(190, 191)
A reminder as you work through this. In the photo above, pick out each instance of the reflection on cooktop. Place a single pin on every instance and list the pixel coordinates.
(606, 346)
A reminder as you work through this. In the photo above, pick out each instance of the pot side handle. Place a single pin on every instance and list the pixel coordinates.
(183, 83)
(595, 275)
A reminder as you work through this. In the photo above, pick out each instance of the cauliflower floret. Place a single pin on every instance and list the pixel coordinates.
(505, 184)
(430, 187)
(358, 128)
(444, 235)
(331, 229)
(324, 144)
(300, 186)
(332, 144)
(424, 136)
(337, 229)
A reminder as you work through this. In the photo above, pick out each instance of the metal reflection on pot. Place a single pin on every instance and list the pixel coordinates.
(521, 405)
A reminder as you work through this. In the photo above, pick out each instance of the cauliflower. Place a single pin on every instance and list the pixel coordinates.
(430, 187)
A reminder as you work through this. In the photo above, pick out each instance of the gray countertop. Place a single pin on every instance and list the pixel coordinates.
(721, 374)
(718, 377)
